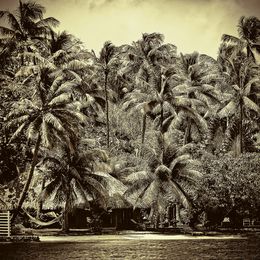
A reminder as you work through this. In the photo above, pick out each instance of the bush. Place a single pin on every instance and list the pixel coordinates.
(231, 185)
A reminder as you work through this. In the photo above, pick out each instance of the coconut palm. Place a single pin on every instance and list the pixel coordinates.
(78, 181)
(74, 182)
(27, 28)
(150, 63)
(164, 104)
(48, 116)
(243, 76)
(197, 80)
(249, 36)
(104, 65)
(162, 182)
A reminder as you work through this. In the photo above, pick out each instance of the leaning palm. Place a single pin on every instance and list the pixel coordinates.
(49, 116)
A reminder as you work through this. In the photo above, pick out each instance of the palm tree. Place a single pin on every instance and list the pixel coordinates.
(80, 180)
(150, 62)
(74, 182)
(162, 182)
(63, 48)
(27, 28)
(164, 103)
(48, 116)
(249, 35)
(243, 76)
(148, 97)
(105, 64)
(197, 80)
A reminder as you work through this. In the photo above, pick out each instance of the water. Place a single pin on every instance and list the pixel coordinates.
(134, 247)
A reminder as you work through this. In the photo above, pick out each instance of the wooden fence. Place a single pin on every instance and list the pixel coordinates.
(5, 224)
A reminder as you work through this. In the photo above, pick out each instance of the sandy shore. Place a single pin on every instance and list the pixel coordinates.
(134, 237)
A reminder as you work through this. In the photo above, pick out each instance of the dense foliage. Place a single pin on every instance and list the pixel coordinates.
(138, 123)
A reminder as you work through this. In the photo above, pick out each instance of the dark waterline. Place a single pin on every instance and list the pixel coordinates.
(135, 249)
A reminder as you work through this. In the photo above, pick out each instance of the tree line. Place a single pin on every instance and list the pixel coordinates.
(136, 122)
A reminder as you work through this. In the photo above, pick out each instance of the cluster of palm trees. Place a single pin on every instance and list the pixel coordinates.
(172, 104)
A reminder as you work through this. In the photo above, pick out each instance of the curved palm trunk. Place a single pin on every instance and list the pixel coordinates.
(107, 112)
(28, 182)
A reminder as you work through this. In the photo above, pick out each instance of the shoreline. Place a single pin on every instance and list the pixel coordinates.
(55, 235)
(136, 236)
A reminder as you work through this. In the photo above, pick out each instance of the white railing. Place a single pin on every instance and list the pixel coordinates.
(5, 226)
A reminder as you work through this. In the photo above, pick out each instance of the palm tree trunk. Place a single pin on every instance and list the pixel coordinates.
(161, 129)
(187, 132)
(240, 140)
(144, 128)
(41, 202)
(161, 123)
(107, 111)
(65, 224)
(28, 182)
(250, 53)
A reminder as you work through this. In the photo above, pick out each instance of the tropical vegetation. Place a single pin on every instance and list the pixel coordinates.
(137, 124)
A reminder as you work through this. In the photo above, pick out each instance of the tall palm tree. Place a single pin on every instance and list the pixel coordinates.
(48, 116)
(249, 36)
(63, 48)
(27, 28)
(197, 80)
(163, 103)
(104, 65)
(150, 61)
(242, 74)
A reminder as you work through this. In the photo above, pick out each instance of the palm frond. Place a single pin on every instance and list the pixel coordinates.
(230, 38)
(6, 31)
(62, 99)
(17, 121)
(251, 105)
(50, 189)
(180, 159)
(136, 176)
(248, 86)
(11, 20)
(18, 131)
(228, 110)
(33, 128)
(49, 21)
(55, 122)
(180, 193)
(191, 174)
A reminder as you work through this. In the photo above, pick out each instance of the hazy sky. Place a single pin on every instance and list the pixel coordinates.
(190, 25)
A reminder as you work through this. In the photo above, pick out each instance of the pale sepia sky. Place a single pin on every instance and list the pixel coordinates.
(190, 25)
